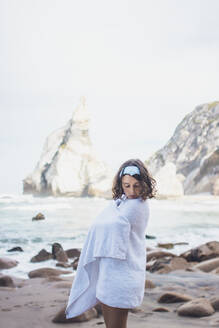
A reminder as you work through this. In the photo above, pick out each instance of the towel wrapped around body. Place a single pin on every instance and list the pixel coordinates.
(112, 264)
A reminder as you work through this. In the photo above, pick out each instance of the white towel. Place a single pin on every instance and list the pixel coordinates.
(117, 233)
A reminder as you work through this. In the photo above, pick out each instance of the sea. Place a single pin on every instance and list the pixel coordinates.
(193, 220)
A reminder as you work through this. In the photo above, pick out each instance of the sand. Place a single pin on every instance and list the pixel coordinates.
(35, 302)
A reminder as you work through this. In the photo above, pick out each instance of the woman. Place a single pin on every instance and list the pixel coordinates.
(112, 264)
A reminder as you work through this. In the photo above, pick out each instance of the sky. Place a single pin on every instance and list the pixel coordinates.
(141, 64)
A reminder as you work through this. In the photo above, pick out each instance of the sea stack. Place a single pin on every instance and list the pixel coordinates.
(68, 165)
(191, 156)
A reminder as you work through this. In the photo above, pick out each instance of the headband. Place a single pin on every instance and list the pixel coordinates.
(131, 170)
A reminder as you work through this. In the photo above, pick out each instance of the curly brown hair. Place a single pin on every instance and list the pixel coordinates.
(147, 183)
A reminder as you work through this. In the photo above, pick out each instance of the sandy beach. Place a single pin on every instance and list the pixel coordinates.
(36, 302)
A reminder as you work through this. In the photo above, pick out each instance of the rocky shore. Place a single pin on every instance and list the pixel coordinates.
(180, 291)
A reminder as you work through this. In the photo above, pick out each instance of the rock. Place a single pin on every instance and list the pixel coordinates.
(215, 188)
(74, 264)
(86, 316)
(173, 297)
(6, 281)
(63, 265)
(168, 184)
(43, 255)
(198, 307)
(167, 245)
(181, 243)
(46, 272)
(193, 149)
(7, 263)
(169, 264)
(216, 271)
(149, 284)
(136, 310)
(15, 249)
(203, 252)
(150, 237)
(161, 309)
(215, 302)
(68, 165)
(208, 265)
(58, 253)
(170, 245)
(98, 308)
(156, 254)
(73, 252)
(38, 217)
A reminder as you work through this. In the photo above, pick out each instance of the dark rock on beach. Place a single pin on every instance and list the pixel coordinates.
(170, 245)
(215, 302)
(46, 272)
(75, 263)
(15, 249)
(173, 297)
(203, 252)
(157, 254)
(168, 264)
(198, 307)
(161, 309)
(73, 252)
(7, 263)
(63, 265)
(43, 255)
(6, 281)
(208, 265)
(58, 253)
(38, 217)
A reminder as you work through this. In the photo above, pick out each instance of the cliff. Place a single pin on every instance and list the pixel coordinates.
(68, 165)
(193, 151)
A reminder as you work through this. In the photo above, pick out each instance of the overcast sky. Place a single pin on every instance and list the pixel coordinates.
(142, 66)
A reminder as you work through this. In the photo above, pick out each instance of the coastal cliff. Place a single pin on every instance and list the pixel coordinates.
(193, 154)
(68, 165)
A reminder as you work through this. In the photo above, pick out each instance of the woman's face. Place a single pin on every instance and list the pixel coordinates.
(131, 187)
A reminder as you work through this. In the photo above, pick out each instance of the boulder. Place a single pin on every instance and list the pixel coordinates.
(59, 253)
(98, 308)
(203, 252)
(170, 245)
(15, 249)
(7, 263)
(63, 265)
(198, 307)
(86, 316)
(43, 255)
(208, 265)
(161, 309)
(157, 254)
(6, 281)
(46, 272)
(215, 302)
(173, 297)
(38, 217)
(74, 264)
(73, 252)
(169, 264)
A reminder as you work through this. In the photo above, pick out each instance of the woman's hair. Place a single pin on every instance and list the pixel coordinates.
(146, 181)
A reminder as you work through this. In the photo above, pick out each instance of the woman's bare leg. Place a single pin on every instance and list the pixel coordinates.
(114, 317)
